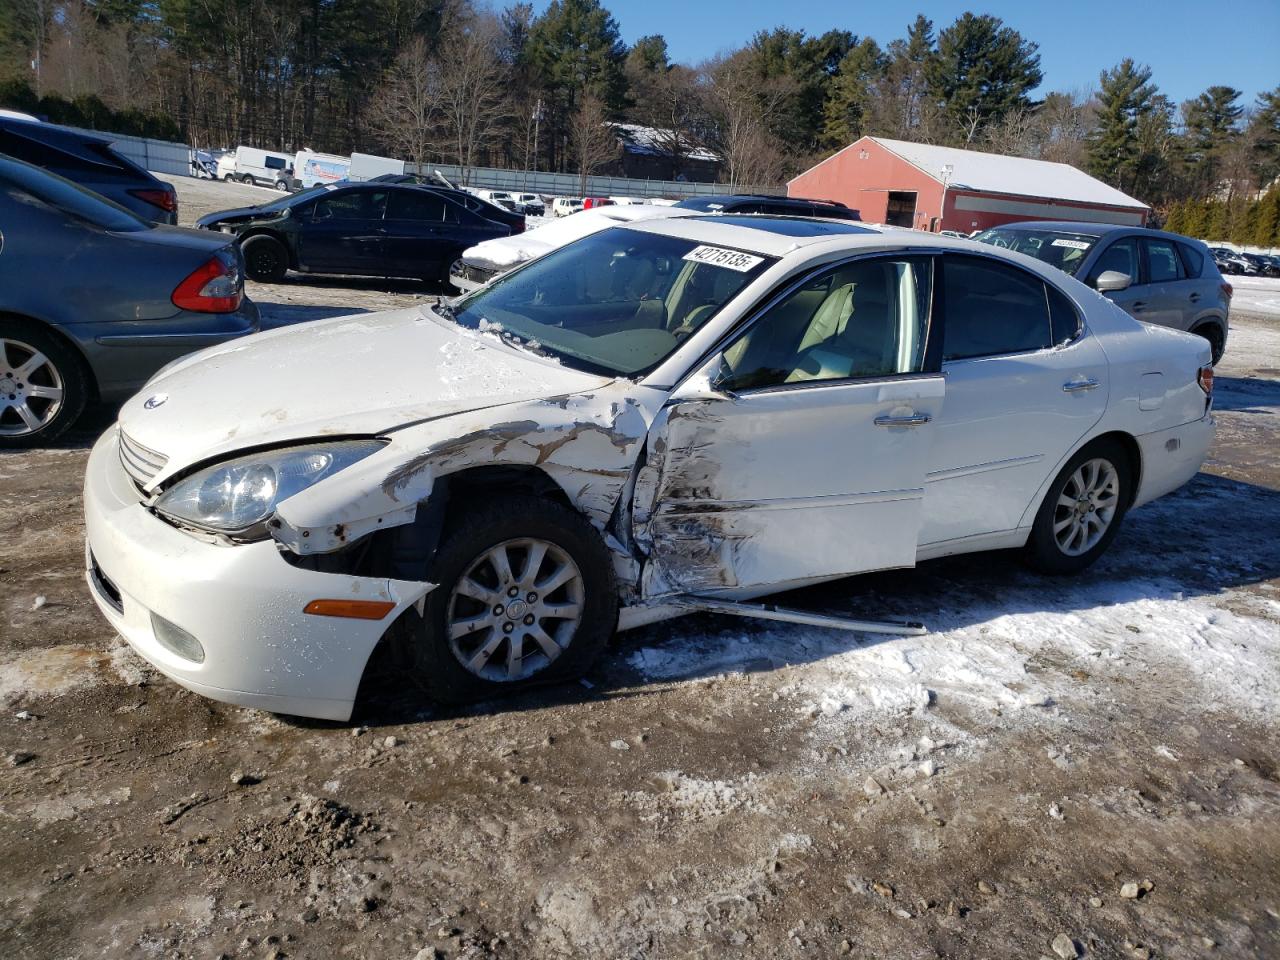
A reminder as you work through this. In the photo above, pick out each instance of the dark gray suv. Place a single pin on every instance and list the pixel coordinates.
(1154, 276)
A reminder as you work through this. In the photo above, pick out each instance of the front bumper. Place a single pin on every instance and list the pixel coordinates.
(243, 603)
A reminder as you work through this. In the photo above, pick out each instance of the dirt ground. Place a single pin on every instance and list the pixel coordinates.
(1088, 767)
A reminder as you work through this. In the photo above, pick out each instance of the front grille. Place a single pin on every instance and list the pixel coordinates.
(141, 463)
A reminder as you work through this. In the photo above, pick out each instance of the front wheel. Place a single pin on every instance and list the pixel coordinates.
(265, 259)
(526, 597)
(1083, 509)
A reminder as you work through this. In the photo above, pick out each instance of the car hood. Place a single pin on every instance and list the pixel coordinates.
(236, 215)
(360, 375)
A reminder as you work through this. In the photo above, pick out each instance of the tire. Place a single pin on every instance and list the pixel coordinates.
(1045, 550)
(43, 384)
(512, 525)
(451, 267)
(282, 186)
(265, 259)
(1213, 334)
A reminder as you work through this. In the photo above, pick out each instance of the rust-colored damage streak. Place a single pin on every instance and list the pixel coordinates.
(448, 452)
(694, 544)
(591, 474)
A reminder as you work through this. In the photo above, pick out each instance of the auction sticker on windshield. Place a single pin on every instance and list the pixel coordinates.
(720, 257)
(1073, 244)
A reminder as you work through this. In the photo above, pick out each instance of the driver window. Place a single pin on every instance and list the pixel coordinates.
(865, 319)
(352, 205)
(1121, 256)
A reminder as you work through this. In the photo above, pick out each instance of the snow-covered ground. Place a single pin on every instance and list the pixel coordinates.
(1255, 295)
(721, 788)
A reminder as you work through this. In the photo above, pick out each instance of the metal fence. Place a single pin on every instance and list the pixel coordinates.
(158, 156)
(163, 156)
(570, 184)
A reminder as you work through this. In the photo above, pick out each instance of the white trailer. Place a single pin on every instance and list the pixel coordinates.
(365, 166)
(311, 169)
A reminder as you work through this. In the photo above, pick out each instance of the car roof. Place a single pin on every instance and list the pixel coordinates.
(774, 236)
(1091, 229)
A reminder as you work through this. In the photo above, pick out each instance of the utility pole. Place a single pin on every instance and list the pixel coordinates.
(947, 170)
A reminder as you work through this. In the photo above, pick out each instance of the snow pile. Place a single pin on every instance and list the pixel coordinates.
(1259, 296)
(690, 798)
(1032, 651)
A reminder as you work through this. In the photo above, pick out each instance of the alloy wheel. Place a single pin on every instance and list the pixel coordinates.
(515, 610)
(1086, 506)
(31, 389)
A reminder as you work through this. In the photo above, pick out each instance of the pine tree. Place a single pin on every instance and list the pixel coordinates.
(1125, 97)
(1266, 225)
(845, 112)
(982, 70)
(1210, 120)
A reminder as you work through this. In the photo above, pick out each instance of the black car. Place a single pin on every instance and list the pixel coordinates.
(480, 207)
(91, 162)
(359, 229)
(767, 203)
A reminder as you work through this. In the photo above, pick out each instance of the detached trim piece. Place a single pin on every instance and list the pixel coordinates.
(769, 611)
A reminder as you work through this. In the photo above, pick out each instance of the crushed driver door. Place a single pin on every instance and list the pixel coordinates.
(800, 453)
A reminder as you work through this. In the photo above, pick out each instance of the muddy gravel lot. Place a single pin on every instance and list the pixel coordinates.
(1060, 768)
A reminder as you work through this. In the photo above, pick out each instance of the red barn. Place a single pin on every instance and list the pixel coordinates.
(944, 188)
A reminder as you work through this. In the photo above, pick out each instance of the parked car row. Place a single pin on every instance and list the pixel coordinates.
(1246, 264)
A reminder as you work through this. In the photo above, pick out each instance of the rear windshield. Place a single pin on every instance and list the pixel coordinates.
(26, 183)
(616, 302)
(1063, 249)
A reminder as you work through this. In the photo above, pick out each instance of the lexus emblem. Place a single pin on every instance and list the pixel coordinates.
(155, 400)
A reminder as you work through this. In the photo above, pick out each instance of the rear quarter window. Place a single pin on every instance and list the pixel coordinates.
(1192, 259)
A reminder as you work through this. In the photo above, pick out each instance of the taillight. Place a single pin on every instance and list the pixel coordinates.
(213, 287)
(166, 200)
(1226, 289)
(1204, 377)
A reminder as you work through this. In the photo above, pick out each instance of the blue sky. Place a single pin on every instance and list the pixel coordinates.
(1188, 45)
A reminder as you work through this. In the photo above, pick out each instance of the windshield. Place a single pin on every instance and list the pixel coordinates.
(290, 199)
(616, 302)
(69, 197)
(705, 204)
(1063, 249)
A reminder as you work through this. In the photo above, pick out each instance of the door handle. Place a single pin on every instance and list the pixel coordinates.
(1139, 306)
(914, 420)
(1080, 385)
(1195, 298)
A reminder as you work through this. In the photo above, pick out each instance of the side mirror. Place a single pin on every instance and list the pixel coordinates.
(1112, 280)
(708, 383)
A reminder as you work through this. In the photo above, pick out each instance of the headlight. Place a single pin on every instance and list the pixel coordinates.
(238, 495)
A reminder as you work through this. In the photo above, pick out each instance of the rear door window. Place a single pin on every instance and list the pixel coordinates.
(992, 308)
(1163, 265)
(420, 205)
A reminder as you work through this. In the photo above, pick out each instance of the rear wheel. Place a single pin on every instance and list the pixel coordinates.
(526, 597)
(1083, 509)
(1213, 334)
(265, 259)
(43, 387)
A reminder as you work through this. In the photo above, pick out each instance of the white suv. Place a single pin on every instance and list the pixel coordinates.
(563, 206)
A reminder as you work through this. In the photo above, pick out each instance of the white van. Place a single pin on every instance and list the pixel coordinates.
(499, 198)
(266, 168)
(311, 169)
(366, 166)
(563, 206)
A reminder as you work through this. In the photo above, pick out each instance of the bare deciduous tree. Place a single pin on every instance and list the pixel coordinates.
(744, 103)
(403, 111)
(594, 142)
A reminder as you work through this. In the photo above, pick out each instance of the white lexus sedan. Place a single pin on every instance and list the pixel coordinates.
(672, 415)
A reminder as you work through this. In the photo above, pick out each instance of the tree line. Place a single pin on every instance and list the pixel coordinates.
(452, 81)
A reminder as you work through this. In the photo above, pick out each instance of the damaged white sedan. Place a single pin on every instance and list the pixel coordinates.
(672, 415)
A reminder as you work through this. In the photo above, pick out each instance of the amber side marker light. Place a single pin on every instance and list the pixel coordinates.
(351, 609)
(1205, 378)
